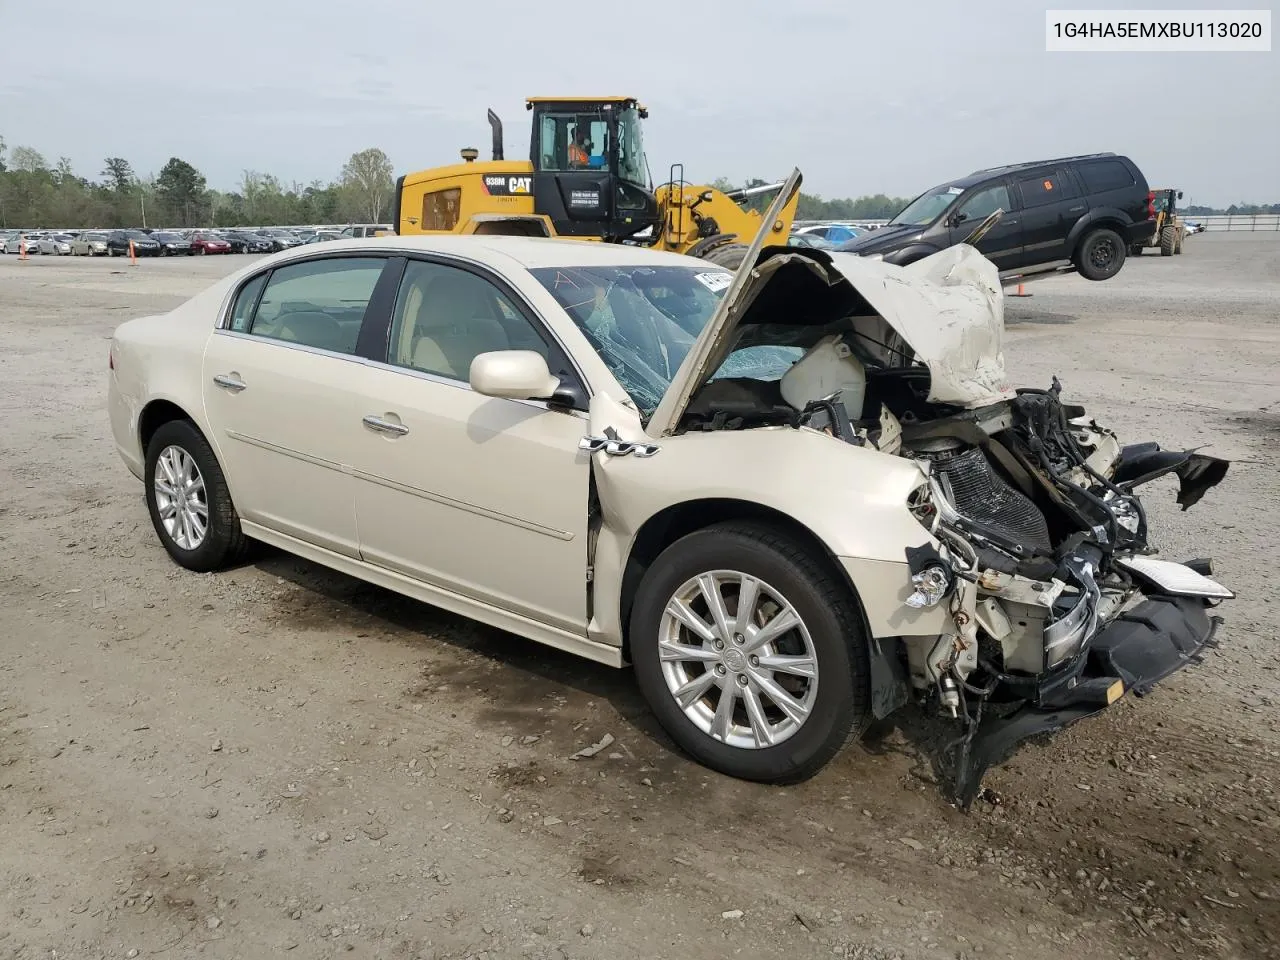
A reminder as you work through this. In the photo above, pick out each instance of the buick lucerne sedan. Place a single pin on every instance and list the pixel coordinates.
(795, 499)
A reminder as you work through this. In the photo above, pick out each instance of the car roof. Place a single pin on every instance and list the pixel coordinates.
(990, 173)
(1032, 164)
(529, 252)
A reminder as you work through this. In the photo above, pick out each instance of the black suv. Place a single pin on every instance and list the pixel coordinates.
(1074, 212)
(143, 244)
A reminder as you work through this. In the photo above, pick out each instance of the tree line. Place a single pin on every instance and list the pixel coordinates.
(35, 193)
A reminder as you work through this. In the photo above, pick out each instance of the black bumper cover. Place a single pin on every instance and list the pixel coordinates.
(1140, 648)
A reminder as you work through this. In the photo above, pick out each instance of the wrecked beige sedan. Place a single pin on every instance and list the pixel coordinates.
(796, 498)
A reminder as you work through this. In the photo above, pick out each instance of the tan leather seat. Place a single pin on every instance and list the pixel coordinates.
(452, 322)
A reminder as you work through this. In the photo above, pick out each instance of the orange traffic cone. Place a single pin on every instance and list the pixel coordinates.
(22, 249)
(133, 257)
(1021, 292)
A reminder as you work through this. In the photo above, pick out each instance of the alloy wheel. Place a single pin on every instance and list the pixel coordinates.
(738, 659)
(181, 498)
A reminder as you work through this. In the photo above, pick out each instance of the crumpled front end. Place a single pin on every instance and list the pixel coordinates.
(1043, 563)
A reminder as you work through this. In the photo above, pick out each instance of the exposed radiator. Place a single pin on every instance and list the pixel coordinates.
(982, 496)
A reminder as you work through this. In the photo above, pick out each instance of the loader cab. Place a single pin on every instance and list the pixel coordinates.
(590, 176)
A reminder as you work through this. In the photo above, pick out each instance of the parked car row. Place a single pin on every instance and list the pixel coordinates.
(178, 242)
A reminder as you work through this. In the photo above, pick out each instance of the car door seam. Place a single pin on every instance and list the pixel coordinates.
(463, 505)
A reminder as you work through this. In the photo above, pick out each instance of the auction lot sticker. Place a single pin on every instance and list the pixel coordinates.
(1157, 31)
(715, 282)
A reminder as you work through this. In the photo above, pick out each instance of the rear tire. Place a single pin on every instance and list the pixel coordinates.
(178, 499)
(1100, 255)
(775, 742)
(727, 255)
(1167, 241)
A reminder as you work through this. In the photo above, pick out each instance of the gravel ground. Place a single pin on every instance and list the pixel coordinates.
(280, 760)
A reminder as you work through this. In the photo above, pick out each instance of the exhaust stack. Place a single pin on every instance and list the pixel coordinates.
(496, 124)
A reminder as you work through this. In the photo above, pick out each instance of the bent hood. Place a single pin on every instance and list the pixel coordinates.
(948, 309)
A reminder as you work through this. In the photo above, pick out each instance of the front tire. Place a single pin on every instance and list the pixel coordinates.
(1101, 255)
(189, 501)
(1168, 240)
(772, 695)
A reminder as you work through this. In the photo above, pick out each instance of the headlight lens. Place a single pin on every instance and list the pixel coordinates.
(932, 584)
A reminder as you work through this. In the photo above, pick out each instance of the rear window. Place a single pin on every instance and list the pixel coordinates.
(1102, 175)
(1045, 188)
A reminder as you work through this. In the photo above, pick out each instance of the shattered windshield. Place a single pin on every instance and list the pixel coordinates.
(927, 207)
(643, 320)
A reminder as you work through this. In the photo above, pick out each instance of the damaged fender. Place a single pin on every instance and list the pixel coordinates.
(805, 475)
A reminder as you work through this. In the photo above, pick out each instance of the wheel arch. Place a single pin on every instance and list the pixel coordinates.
(1103, 219)
(889, 684)
(155, 414)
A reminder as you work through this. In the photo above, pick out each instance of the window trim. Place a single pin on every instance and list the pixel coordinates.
(967, 197)
(1061, 174)
(1087, 190)
(228, 303)
(373, 341)
(517, 299)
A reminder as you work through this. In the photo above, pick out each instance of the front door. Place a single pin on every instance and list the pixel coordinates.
(482, 496)
(1002, 244)
(1051, 205)
(278, 383)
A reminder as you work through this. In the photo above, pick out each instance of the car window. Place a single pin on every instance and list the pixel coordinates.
(320, 303)
(1045, 188)
(1102, 175)
(246, 300)
(445, 317)
(985, 202)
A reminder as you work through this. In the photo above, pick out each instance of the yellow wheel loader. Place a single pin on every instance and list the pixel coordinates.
(586, 178)
(1170, 230)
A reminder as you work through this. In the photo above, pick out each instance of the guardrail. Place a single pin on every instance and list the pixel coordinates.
(1237, 221)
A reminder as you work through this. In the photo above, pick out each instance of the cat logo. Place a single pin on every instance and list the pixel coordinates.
(501, 186)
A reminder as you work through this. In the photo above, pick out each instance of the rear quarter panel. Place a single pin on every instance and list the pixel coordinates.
(159, 358)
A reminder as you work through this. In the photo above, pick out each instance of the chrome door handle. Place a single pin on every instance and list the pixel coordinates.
(229, 382)
(385, 426)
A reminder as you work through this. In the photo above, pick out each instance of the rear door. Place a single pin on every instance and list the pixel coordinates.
(1002, 244)
(279, 381)
(1051, 205)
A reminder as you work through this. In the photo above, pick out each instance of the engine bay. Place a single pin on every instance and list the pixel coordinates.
(1033, 501)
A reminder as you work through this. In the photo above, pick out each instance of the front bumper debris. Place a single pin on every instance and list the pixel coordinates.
(1131, 654)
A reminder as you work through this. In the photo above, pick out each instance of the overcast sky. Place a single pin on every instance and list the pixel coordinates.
(863, 97)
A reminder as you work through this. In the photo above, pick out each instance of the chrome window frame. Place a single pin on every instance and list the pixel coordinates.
(472, 265)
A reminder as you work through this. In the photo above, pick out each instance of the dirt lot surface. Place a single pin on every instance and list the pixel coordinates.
(281, 761)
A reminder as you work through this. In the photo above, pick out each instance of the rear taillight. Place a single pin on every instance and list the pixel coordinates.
(1151, 204)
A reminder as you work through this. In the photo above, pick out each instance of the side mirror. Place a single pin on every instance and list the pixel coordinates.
(513, 374)
(959, 218)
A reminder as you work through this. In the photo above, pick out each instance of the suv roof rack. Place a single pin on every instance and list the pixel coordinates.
(1010, 167)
